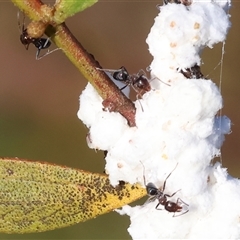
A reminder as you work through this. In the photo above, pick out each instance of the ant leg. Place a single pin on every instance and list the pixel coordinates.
(155, 78)
(157, 207)
(124, 87)
(172, 194)
(181, 204)
(141, 72)
(138, 96)
(37, 54)
(44, 55)
(179, 200)
(108, 70)
(174, 215)
(46, 43)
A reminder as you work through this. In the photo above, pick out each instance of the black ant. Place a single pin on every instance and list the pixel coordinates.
(39, 42)
(184, 2)
(192, 72)
(139, 82)
(162, 198)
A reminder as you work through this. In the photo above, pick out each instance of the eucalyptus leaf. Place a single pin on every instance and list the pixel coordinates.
(38, 196)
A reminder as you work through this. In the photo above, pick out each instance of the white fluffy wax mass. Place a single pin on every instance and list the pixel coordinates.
(180, 33)
(105, 128)
(176, 132)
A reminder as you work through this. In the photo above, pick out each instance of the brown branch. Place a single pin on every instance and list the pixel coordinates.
(113, 98)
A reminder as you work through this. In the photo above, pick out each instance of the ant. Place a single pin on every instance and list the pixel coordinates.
(184, 2)
(39, 42)
(162, 198)
(192, 72)
(139, 82)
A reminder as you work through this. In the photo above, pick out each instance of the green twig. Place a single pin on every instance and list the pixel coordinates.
(113, 98)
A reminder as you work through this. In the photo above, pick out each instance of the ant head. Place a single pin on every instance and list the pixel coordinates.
(24, 38)
(151, 189)
(121, 74)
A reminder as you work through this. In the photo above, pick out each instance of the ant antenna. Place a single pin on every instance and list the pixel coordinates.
(148, 69)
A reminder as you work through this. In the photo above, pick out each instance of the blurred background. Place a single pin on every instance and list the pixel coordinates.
(39, 99)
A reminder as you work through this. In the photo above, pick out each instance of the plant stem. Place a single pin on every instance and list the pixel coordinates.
(113, 98)
(32, 8)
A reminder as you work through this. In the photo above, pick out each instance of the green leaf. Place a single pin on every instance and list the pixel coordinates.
(36, 197)
(67, 8)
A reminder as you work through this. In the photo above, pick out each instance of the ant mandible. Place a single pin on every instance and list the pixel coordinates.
(139, 82)
(39, 42)
(162, 198)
